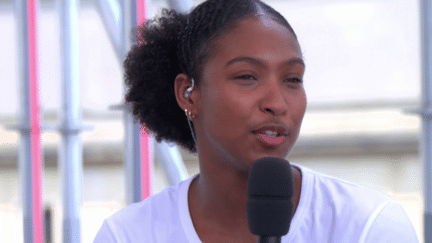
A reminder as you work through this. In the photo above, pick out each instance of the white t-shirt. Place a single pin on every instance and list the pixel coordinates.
(329, 210)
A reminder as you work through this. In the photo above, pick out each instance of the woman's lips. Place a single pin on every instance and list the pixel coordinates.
(270, 141)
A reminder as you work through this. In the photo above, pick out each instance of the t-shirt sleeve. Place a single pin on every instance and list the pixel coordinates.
(106, 235)
(390, 224)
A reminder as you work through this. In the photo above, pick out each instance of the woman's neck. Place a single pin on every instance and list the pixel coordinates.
(218, 210)
(222, 195)
(217, 200)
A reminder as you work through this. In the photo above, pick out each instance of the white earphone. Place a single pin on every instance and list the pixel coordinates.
(189, 90)
(188, 114)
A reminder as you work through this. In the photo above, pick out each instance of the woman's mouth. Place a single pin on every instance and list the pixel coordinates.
(270, 138)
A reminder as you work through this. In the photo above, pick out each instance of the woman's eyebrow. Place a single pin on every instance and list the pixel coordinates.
(258, 62)
(295, 61)
(245, 59)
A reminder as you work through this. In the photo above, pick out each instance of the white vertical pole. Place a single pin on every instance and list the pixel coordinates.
(183, 6)
(132, 151)
(70, 155)
(24, 119)
(30, 156)
(426, 111)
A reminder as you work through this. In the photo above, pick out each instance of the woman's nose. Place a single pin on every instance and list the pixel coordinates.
(273, 100)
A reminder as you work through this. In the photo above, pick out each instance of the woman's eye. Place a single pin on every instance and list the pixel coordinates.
(245, 77)
(294, 80)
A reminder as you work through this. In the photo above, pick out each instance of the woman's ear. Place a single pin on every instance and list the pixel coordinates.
(182, 85)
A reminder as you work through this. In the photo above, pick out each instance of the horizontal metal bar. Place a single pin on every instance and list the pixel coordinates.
(426, 113)
(118, 107)
(48, 127)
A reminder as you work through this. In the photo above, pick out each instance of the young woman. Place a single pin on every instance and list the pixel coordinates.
(226, 82)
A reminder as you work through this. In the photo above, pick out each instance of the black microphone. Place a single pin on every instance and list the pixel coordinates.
(270, 207)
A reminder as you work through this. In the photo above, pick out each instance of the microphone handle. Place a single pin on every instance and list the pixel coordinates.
(269, 239)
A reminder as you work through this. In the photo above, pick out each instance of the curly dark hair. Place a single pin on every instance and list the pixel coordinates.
(175, 43)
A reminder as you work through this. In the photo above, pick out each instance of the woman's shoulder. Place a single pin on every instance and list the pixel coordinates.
(348, 210)
(164, 200)
(162, 203)
(343, 198)
(340, 191)
(152, 218)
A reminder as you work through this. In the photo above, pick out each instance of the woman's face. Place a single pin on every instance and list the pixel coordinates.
(251, 98)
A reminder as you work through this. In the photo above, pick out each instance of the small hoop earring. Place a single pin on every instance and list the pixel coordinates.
(190, 117)
(189, 114)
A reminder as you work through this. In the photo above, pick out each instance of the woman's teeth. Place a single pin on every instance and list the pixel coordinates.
(270, 133)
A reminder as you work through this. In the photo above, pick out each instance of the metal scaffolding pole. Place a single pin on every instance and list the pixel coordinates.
(183, 6)
(30, 154)
(70, 150)
(426, 112)
(111, 13)
(132, 148)
(171, 161)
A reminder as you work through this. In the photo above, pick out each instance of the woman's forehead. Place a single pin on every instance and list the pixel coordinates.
(258, 37)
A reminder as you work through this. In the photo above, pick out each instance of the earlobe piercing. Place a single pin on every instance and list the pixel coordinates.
(189, 114)
(190, 117)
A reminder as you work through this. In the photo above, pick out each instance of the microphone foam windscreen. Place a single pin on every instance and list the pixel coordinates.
(270, 189)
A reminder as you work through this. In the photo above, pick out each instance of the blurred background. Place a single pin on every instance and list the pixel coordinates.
(362, 74)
